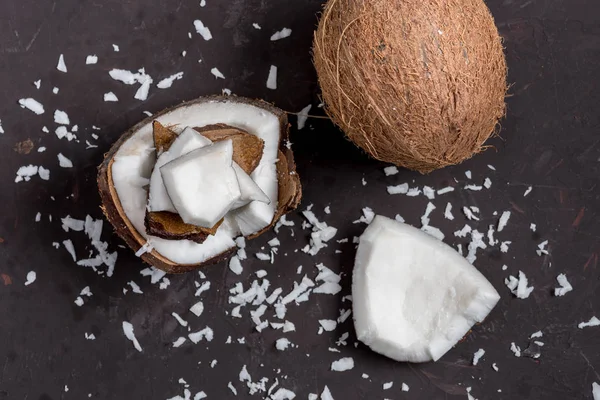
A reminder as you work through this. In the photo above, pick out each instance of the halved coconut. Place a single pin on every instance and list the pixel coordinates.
(124, 175)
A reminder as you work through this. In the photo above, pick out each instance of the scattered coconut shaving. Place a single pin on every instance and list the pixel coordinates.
(343, 364)
(32, 105)
(110, 96)
(168, 82)
(565, 286)
(91, 59)
(128, 330)
(31, 277)
(64, 161)
(217, 73)
(477, 356)
(282, 34)
(272, 79)
(202, 30)
(303, 116)
(518, 287)
(61, 66)
(503, 220)
(594, 321)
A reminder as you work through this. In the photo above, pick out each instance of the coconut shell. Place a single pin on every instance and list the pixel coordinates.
(247, 149)
(290, 190)
(417, 83)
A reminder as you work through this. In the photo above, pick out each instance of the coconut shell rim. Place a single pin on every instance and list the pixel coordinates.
(115, 214)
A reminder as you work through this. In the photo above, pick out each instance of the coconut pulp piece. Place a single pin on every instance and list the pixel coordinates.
(249, 190)
(247, 150)
(203, 184)
(414, 297)
(124, 195)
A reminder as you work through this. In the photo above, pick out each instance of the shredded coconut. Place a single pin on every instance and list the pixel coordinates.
(343, 364)
(91, 59)
(31, 276)
(303, 116)
(217, 73)
(202, 30)
(168, 82)
(503, 220)
(110, 96)
(32, 105)
(61, 66)
(282, 34)
(64, 161)
(592, 322)
(565, 286)
(477, 356)
(128, 330)
(272, 79)
(518, 287)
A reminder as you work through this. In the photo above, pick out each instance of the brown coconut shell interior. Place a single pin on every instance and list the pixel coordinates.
(247, 152)
(290, 189)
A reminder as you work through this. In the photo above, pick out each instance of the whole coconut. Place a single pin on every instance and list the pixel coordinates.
(417, 83)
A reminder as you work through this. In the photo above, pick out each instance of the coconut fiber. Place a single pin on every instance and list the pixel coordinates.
(417, 83)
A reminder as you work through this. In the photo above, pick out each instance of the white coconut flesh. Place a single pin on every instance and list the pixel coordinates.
(203, 184)
(135, 159)
(414, 296)
(249, 190)
(188, 140)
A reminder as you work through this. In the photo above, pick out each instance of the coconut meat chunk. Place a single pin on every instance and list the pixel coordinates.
(188, 140)
(414, 296)
(202, 184)
(249, 190)
(133, 162)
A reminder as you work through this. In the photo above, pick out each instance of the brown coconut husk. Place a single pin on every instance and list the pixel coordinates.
(417, 83)
(290, 189)
(247, 152)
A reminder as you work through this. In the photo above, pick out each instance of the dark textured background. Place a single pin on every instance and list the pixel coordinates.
(549, 141)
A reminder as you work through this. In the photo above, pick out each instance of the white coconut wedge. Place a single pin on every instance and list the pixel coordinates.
(125, 172)
(414, 297)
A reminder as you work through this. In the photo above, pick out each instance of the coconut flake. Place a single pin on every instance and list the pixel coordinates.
(235, 266)
(110, 96)
(469, 214)
(197, 309)
(542, 248)
(202, 30)
(515, 349)
(477, 356)
(31, 276)
(596, 391)
(2, 130)
(475, 188)
(388, 385)
(448, 212)
(445, 190)
(206, 333)
(518, 287)
(168, 82)
(282, 344)
(91, 59)
(181, 321)
(343, 364)
(61, 66)
(32, 105)
(592, 322)
(89, 336)
(70, 248)
(565, 286)
(503, 220)
(283, 394)
(303, 116)
(282, 34)
(326, 394)
(272, 79)
(527, 191)
(128, 330)
(367, 216)
(391, 170)
(405, 387)
(64, 161)
(398, 189)
(328, 325)
(487, 183)
(217, 73)
(55, 90)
